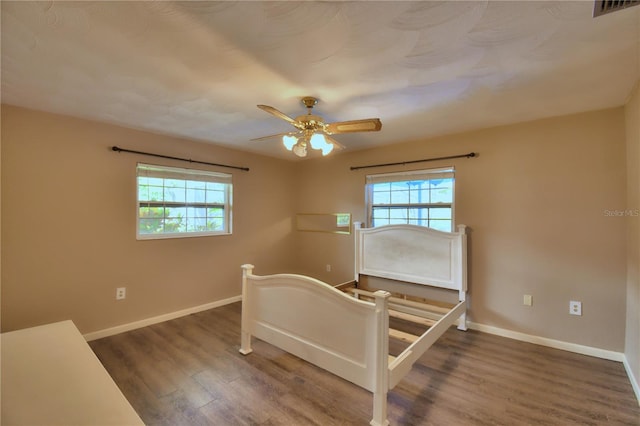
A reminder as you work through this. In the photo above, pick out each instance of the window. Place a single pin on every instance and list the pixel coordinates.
(422, 197)
(174, 202)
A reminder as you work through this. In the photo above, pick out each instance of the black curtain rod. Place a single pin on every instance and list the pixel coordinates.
(402, 163)
(115, 148)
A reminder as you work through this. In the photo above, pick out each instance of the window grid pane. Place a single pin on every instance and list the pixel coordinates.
(416, 202)
(170, 206)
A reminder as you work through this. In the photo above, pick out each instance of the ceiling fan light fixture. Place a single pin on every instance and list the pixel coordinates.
(326, 149)
(289, 141)
(313, 132)
(300, 149)
(318, 141)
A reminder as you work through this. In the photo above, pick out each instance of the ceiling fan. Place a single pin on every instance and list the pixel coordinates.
(313, 132)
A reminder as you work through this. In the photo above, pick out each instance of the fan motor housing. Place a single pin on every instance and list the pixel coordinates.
(310, 122)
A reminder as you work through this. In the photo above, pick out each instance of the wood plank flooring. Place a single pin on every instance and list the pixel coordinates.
(189, 372)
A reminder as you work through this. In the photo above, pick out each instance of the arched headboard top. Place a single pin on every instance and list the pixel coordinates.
(414, 254)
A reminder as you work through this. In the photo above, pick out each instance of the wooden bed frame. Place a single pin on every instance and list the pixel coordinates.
(345, 329)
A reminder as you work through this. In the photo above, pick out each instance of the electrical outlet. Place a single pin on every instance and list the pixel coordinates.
(121, 293)
(527, 300)
(575, 308)
(328, 268)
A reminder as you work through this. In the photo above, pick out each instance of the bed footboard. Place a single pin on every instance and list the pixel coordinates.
(297, 313)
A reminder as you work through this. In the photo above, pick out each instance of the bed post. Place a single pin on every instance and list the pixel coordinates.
(245, 335)
(462, 230)
(356, 258)
(381, 361)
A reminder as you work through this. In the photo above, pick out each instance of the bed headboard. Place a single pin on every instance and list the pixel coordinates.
(414, 254)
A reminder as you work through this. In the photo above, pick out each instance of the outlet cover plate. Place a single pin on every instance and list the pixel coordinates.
(121, 293)
(575, 307)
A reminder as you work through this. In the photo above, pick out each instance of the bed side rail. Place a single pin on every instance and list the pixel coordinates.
(401, 365)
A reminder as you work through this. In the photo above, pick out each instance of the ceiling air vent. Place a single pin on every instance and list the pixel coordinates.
(602, 7)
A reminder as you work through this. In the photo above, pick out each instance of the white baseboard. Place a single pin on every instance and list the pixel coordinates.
(160, 318)
(557, 344)
(632, 378)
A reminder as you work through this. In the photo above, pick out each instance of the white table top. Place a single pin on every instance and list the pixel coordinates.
(50, 376)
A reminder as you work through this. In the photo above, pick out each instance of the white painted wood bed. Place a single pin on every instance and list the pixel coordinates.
(347, 332)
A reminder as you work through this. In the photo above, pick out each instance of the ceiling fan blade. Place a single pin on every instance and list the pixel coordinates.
(273, 111)
(365, 125)
(272, 136)
(337, 144)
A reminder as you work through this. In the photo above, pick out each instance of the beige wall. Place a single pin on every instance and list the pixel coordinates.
(535, 200)
(632, 346)
(68, 222)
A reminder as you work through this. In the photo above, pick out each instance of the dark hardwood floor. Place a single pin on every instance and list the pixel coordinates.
(189, 372)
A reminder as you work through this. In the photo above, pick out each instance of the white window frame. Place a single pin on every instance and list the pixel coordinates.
(195, 177)
(408, 176)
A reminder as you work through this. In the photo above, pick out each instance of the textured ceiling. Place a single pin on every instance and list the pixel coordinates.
(198, 69)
